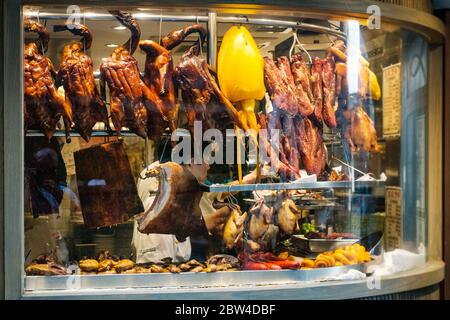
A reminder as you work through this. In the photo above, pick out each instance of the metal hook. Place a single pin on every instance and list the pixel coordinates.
(296, 42)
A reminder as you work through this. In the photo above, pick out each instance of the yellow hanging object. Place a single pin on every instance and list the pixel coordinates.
(240, 70)
(375, 90)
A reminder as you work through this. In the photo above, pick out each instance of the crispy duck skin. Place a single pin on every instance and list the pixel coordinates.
(43, 106)
(329, 91)
(302, 81)
(76, 74)
(316, 81)
(159, 78)
(128, 93)
(200, 92)
(280, 85)
(310, 144)
(360, 133)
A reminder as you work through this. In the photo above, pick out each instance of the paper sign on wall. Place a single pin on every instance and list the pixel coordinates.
(393, 230)
(391, 101)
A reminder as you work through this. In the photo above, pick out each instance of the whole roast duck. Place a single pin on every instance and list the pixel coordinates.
(202, 97)
(159, 78)
(76, 74)
(128, 92)
(43, 106)
(175, 209)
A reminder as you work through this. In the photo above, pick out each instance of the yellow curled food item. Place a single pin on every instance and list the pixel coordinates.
(342, 259)
(349, 254)
(307, 263)
(324, 261)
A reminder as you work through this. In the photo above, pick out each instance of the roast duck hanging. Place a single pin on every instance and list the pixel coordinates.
(76, 74)
(43, 106)
(202, 98)
(358, 127)
(128, 93)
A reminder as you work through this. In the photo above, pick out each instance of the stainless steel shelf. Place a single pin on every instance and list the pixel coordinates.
(293, 186)
(188, 279)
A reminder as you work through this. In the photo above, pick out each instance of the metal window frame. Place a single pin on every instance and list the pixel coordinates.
(12, 133)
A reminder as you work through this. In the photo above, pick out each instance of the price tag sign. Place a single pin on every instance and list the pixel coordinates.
(391, 101)
(394, 218)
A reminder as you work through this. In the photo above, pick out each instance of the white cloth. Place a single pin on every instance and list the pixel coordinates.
(154, 247)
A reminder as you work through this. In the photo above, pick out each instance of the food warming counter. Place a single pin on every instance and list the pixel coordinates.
(356, 106)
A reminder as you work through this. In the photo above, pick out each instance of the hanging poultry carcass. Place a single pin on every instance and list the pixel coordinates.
(76, 74)
(159, 78)
(43, 106)
(202, 97)
(360, 133)
(128, 93)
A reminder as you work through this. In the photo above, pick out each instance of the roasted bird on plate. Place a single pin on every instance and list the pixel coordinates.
(76, 74)
(128, 93)
(43, 106)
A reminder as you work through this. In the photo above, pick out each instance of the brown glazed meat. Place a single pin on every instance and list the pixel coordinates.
(175, 209)
(360, 133)
(302, 81)
(329, 91)
(316, 82)
(159, 78)
(106, 186)
(127, 90)
(280, 85)
(76, 74)
(275, 150)
(203, 100)
(311, 146)
(43, 106)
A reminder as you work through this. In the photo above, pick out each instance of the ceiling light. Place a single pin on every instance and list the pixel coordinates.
(119, 28)
(111, 45)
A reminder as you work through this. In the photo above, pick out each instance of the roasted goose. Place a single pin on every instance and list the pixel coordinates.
(203, 99)
(317, 86)
(329, 91)
(158, 76)
(76, 74)
(302, 81)
(360, 133)
(311, 146)
(175, 209)
(128, 92)
(43, 105)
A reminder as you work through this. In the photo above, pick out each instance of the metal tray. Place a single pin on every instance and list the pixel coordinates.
(316, 246)
(160, 280)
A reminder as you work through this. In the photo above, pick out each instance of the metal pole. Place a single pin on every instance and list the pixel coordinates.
(212, 39)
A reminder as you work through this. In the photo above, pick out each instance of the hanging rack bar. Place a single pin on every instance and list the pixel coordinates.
(220, 19)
